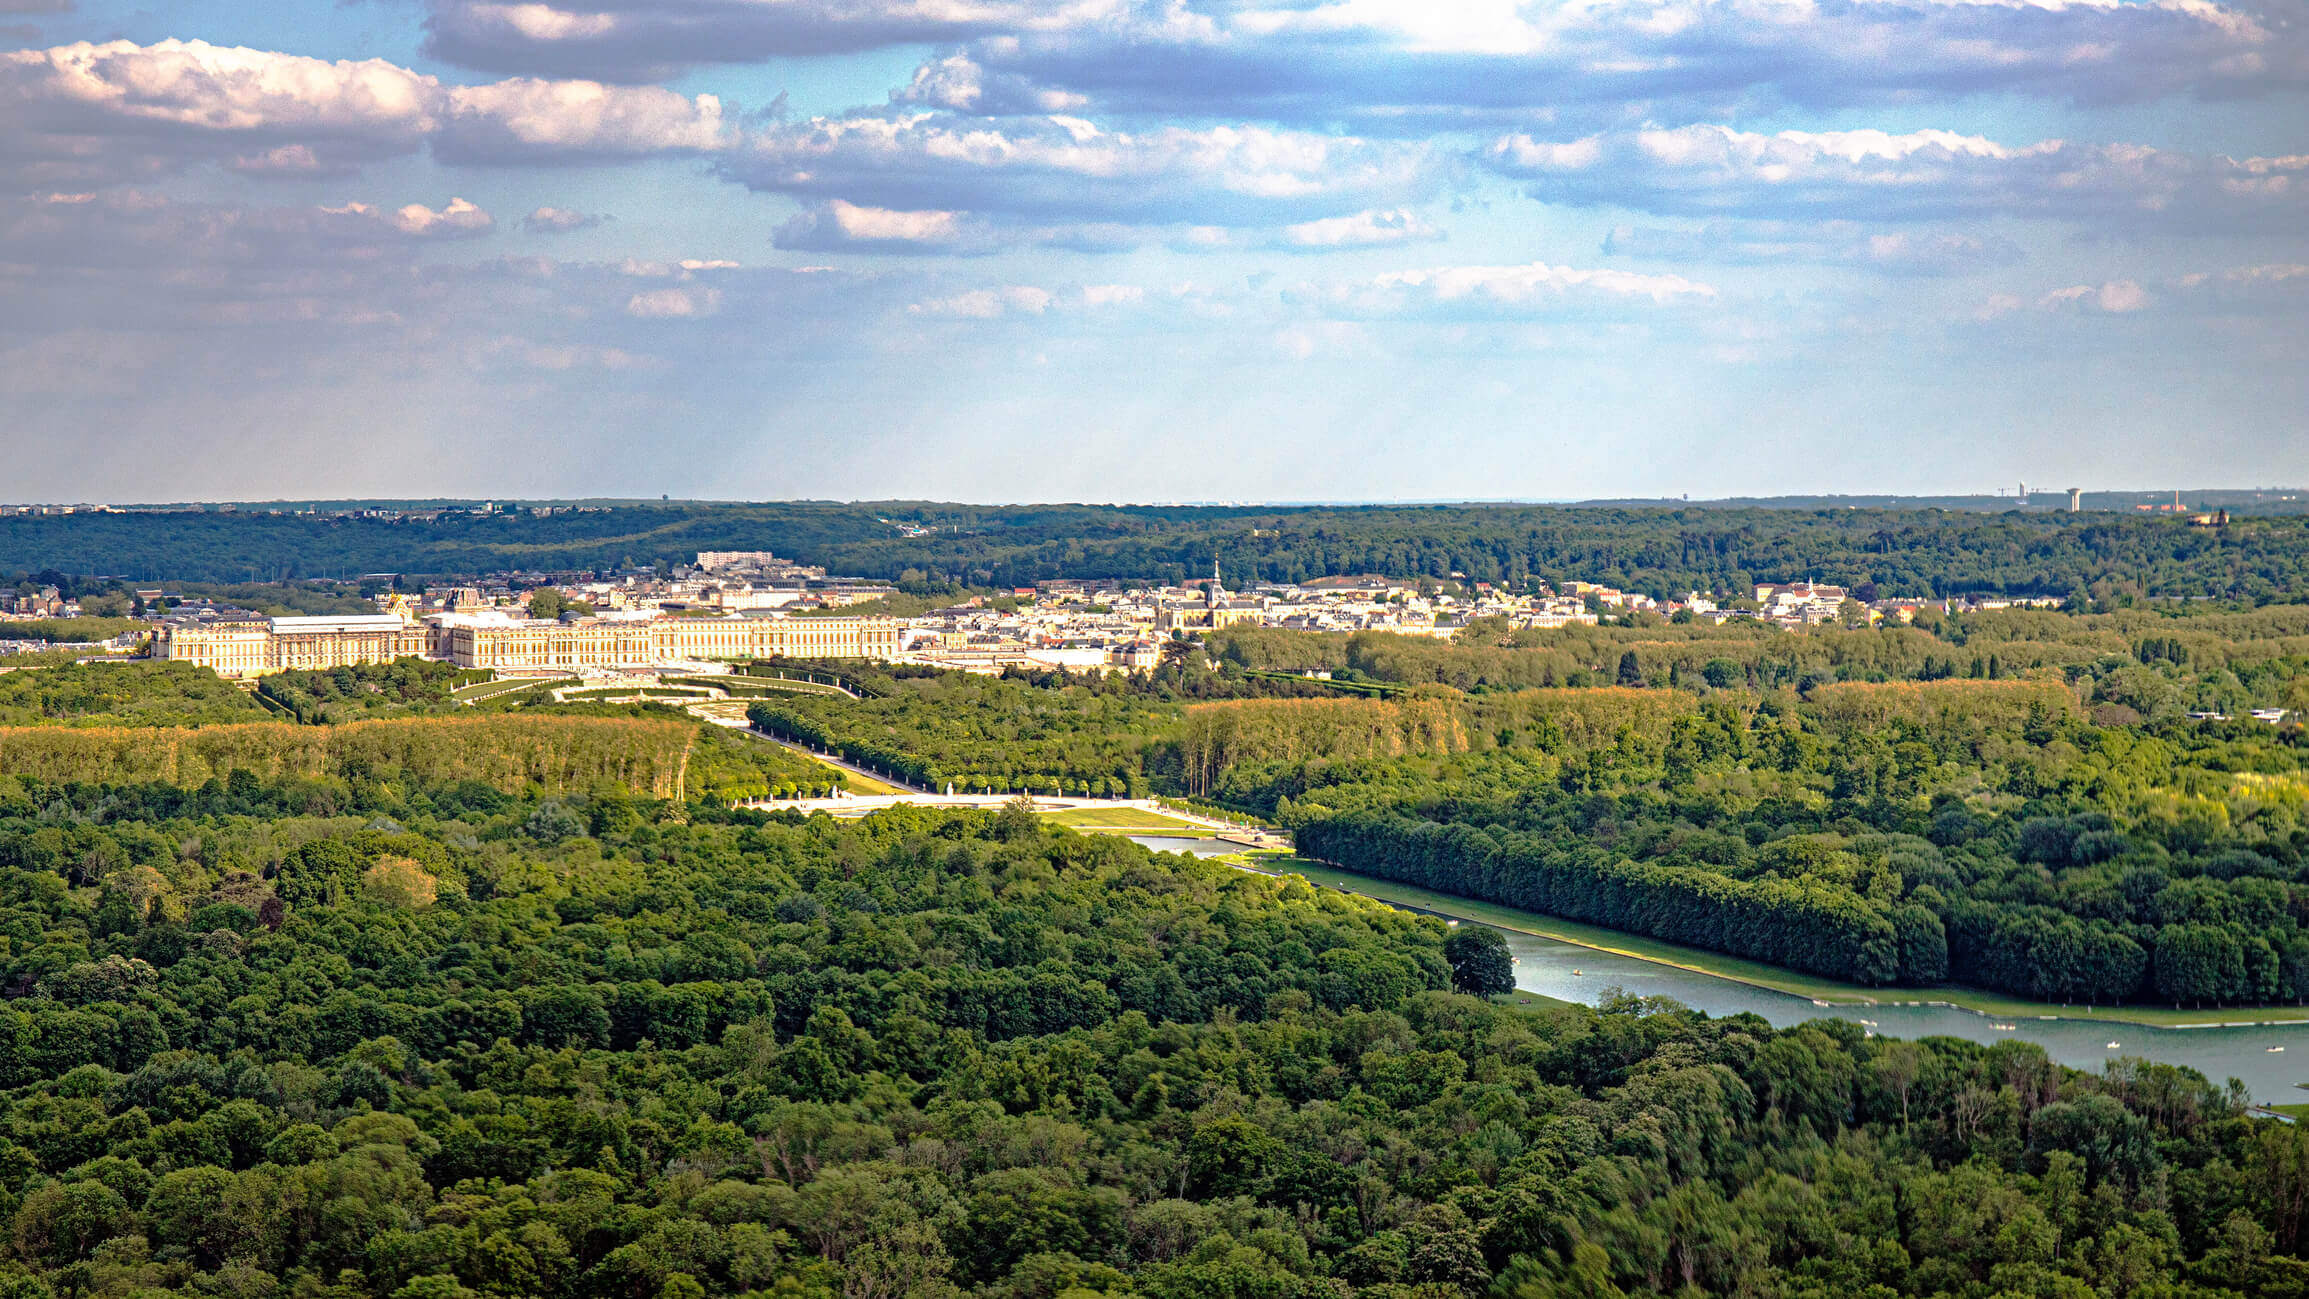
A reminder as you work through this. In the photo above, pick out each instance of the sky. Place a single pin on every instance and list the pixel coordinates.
(1150, 250)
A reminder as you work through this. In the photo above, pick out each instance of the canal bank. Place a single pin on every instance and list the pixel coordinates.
(2268, 1057)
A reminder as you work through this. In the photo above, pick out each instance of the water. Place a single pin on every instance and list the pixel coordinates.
(1199, 847)
(1547, 967)
(1569, 972)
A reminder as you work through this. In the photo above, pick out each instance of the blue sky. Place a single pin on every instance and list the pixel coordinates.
(1150, 249)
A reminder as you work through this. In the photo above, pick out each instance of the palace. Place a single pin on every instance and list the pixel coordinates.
(256, 646)
(494, 640)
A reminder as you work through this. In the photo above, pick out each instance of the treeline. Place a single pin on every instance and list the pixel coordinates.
(321, 696)
(1214, 737)
(123, 694)
(1804, 920)
(2156, 664)
(514, 754)
(1658, 550)
(455, 1045)
(983, 734)
(2060, 861)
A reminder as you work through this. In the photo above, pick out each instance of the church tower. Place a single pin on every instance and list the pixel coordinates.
(1212, 592)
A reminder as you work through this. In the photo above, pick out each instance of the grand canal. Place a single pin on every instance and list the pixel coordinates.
(2268, 1058)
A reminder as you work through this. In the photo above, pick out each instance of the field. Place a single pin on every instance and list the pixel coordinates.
(1135, 820)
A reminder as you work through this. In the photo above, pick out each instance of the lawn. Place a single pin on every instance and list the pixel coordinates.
(1135, 820)
(1761, 975)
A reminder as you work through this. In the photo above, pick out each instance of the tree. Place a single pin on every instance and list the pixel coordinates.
(1481, 964)
(1631, 671)
(1179, 654)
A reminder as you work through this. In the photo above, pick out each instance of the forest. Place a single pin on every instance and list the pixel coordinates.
(441, 1042)
(2101, 556)
(2038, 803)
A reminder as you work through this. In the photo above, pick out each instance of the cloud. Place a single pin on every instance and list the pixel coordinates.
(673, 304)
(2269, 288)
(527, 120)
(1044, 168)
(1536, 290)
(988, 304)
(2114, 298)
(457, 219)
(1359, 230)
(117, 112)
(512, 352)
(836, 226)
(1875, 176)
(648, 40)
(1414, 63)
(1825, 243)
(1411, 65)
(559, 221)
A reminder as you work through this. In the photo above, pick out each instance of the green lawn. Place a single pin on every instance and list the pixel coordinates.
(1759, 974)
(1133, 819)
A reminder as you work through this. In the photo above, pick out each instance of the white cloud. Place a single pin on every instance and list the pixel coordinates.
(1532, 290)
(837, 226)
(1828, 243)
(2115, 297)
(1712, 170)
(457, 219)
(557, 220)
(1414, 62)
(118, 111)
(673, 304)
(528, 120)
(1112, 295)
(1040, 168)
(988, 304)
(637, 40)
(1360, 230)
(2268, 288)
(1414, 65)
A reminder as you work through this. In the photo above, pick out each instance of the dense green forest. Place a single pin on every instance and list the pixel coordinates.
(2012, 800)
(2103, 555)
(123, 694)
(445, 1043)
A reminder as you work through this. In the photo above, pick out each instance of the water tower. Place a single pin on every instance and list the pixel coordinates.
(2076, 500)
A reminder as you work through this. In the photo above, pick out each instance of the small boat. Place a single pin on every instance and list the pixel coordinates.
(2275, 1049)
(1868, 1023)
(2002, 1028)
(2115, 1045)
(1817, 1002)
(1865, 1033)
(1575, 974)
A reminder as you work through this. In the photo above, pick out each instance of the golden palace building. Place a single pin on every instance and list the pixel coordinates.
(247, 649)
(492, 640)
